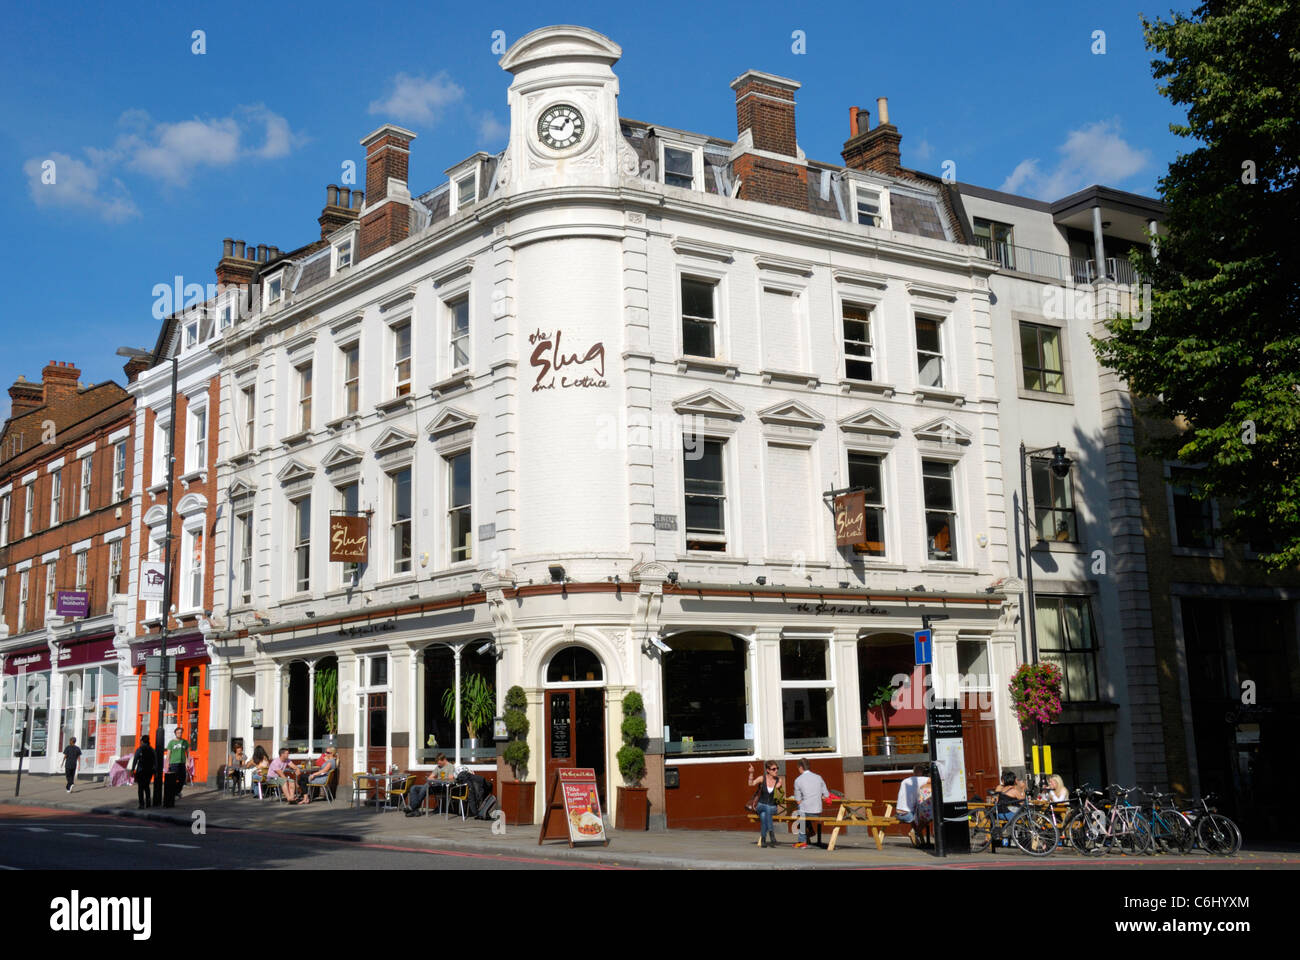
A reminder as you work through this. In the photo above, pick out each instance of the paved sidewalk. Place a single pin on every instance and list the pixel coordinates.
(673, 849)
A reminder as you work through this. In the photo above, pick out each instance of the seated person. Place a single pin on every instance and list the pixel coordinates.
(283, 773)
(1008, 795)
(1056, 792)
(325, 766)
(443, 770)
(914, 805)
(235, 770)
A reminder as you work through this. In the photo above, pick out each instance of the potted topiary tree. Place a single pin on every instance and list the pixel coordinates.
(880, 701)
(633, 799)
(517, 794)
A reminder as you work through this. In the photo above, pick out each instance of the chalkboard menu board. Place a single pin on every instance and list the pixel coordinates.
(561, 729)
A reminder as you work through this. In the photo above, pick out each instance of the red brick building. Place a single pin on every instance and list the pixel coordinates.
(65, 495)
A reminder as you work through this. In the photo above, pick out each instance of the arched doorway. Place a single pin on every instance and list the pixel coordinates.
(575, 714)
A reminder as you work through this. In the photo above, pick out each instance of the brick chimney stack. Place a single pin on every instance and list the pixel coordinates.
(386, 216)
(234, 269)
(25, 396)
(60, 381)
(767, 159)
(337, 213)
(876, 149)
(133, 368)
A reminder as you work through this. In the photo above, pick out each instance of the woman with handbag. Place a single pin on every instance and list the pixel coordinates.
(763, 802)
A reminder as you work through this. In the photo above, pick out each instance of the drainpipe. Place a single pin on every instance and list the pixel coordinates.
(1098, 245)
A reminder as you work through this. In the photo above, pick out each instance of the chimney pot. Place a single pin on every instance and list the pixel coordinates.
(239, 249)
(344, 198)
(331, 195)
(882, 109)
(261, 252)
(358, 199)
(226, 246)
(272, 253)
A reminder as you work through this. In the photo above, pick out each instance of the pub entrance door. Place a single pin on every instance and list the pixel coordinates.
(575, 733)
(374, 727)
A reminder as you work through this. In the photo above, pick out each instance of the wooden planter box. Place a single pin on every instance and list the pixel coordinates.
(633, 809)
(517, 801)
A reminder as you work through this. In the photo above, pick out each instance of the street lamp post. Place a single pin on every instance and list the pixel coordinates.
(160, 752)
(23, 743)
(1060, 467)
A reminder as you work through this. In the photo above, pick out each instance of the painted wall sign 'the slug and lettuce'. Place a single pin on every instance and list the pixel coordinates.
(584, 369)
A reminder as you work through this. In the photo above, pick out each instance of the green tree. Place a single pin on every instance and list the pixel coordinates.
(1221, 353)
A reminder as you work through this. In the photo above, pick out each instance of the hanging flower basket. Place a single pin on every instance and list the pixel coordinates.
(1036, 694)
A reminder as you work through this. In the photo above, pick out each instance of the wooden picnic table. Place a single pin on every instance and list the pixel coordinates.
(846, 816)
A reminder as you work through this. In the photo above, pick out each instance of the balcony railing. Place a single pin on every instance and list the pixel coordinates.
(1056, 266)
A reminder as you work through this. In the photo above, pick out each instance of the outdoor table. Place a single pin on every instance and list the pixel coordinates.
(445, 786)
(375, 779)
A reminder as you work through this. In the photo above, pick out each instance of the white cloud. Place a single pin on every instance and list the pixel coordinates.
(421, 100)
(923, 150)
(491, 131)
(1096, 153)
(171, 153)
(77, 185)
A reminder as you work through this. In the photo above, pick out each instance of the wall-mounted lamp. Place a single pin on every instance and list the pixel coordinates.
(761, 581)
(477, 587)
(672, 576)
(557, 573)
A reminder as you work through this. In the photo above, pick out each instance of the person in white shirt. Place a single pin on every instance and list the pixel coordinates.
(914, 806)
(809, 790)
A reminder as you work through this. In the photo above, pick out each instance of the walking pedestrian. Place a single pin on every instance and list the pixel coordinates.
(177, 752)
(768, 782)
(71, 761)
(810, 790)
(142, 764)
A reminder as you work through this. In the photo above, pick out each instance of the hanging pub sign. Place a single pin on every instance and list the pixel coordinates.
(851, 520)
(574, 795)
(152, 577)
(349, 538)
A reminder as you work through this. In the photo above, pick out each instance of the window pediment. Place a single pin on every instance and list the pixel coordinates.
(943, 430)
(341, 455)
(295, 469)
(391, 441)
(155, 515)
(191, 504)
(241, 489)
(709, 403)
(792, 413)
(450, 421)
(872, 422)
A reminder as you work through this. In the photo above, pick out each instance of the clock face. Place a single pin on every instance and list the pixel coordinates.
(561, 126)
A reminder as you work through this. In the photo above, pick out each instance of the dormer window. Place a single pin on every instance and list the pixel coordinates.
(870, 205)
(227, 315)
(191, 333)
(274, 291)
(466, 190)
(343, 255)
(681, 165)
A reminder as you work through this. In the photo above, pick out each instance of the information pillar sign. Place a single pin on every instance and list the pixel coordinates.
(574, 797)
(949, 754)
(851, 520)
(349, 538)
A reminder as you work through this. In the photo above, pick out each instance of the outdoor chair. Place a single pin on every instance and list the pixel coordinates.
(327, 788)
(457, 793)
(397, 794)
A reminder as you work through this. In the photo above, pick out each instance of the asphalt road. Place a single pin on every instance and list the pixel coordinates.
(35, 838)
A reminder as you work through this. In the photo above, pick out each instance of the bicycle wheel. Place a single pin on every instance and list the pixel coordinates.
(1218, 835)
(1086, 833)
(980, 831)
(1034, 832)
(1178, 833)
(1139, 832)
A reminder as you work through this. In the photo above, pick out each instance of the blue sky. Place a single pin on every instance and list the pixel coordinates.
(161, 152)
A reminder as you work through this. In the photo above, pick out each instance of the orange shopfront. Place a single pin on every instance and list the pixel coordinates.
(187, 699)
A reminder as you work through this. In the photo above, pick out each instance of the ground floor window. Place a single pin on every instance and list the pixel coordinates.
(16, 689)
(882, 660)
(706, 696)
(436, 705)
(310, 705)
(807, 695)
(1078, 753)
(90, 713)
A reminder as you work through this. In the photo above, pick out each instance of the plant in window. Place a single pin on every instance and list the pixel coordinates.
(1036, 693)
(631, 756)
(516, 751)
(882, 700)
(477, 704)
(327, 698)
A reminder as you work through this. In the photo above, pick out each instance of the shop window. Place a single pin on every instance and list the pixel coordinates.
(16, 693)
(882, 660)
(807, 695)
(436, 705)
(1078, 753)
(310, 705)
(706, 696)
(575, 665)
(1067, 639)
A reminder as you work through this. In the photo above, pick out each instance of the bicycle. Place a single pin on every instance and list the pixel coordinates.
(1030, 828)
(1170, 828)
(1215, 832)
(1094, 831)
